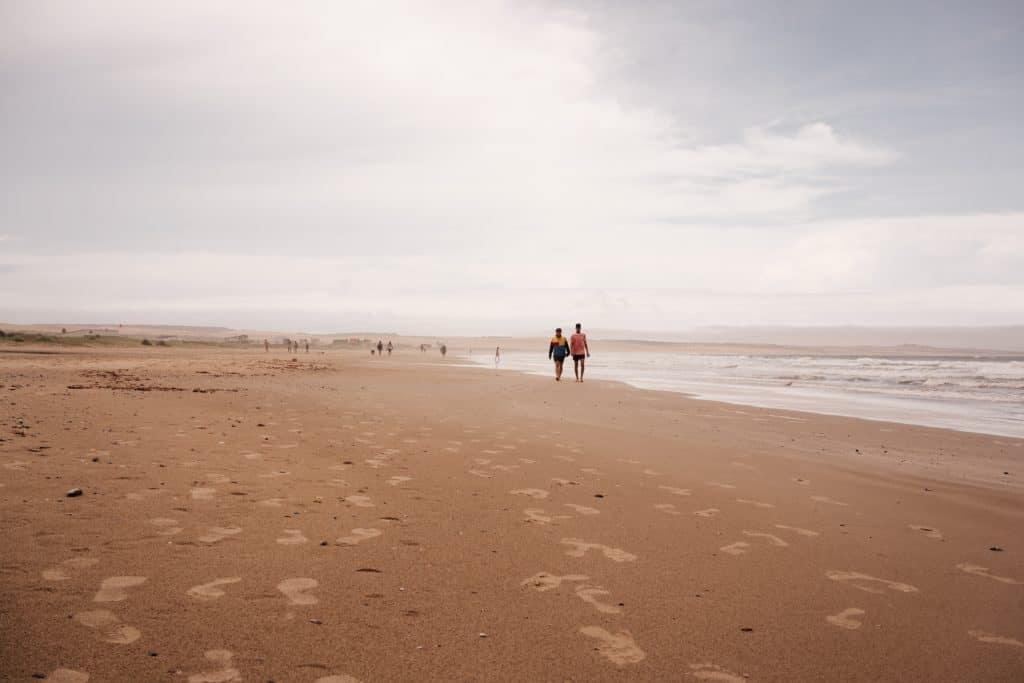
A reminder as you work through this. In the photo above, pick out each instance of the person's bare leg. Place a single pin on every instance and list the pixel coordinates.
(558, 370)
(583, 367)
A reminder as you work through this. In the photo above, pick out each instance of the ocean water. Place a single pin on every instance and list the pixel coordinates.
(976, 395)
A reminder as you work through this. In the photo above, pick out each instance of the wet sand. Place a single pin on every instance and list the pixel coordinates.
(249, 517)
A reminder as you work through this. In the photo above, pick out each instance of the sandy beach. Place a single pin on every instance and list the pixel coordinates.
(251, 516)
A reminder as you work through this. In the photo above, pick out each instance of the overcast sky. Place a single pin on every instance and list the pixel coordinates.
(501, 167)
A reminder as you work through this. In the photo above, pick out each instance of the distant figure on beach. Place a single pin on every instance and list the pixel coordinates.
(558, 349)
(266, 345)
(391, 347)
(373, 351)
(580, 352)
(444, 349)
(307, 346)
(380, 348)
(497, 356)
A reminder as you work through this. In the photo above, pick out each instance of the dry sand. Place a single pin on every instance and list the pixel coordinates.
(336, 518)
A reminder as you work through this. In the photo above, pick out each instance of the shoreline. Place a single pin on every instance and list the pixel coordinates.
(809, 394)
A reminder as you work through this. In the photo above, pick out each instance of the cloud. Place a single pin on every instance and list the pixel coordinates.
(440, 161)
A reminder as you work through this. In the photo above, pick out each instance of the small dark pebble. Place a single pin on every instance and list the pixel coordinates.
(151, 653)
(996, 549)
(746, 629)
(598, 495)
(74, 493)
(95, 459)
(323, 542)
(315, 621)
(927, 489)
(38, 675)
(369, 569)
(349, 462)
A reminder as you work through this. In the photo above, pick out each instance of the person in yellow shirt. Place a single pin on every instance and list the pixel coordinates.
(558, 350)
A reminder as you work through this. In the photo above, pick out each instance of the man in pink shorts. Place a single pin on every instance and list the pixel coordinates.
(580, 352)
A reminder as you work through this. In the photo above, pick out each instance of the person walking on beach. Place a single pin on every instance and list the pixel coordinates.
(558, 349)
(380, 348)
(497, 356)
(580, 352)
(391, 347)
(266, 345)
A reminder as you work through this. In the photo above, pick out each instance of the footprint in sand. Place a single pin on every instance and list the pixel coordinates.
(737, 548)
(109, 626)
(272, 502)
(358, 536)
(74, 563)
(927, 531)
(667, 508)
(539, 494)
(796, 529)
(713, 672)
(978, 570)
(802, 481)
(359, 501)
(292, 537)
(618, 648)
(481, 474)
(580, 549)
(203, 493)
(537, 516)
(771, 538)
(993, 638)
(68, 676)
(710, 512)
(720, 485)
(828, 501)
(542, 581)
(114, 588)
(211, 591)
(219, 533)
(675, 491)
(755, 503)
(863, 582)
(398, 479)
(225, 674)
(166, 526)
(588, 594)
(583, 509)
(249, 455)
(295, 591)
(844, 620)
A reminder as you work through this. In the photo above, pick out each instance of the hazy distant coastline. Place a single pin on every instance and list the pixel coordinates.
(904, 342)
